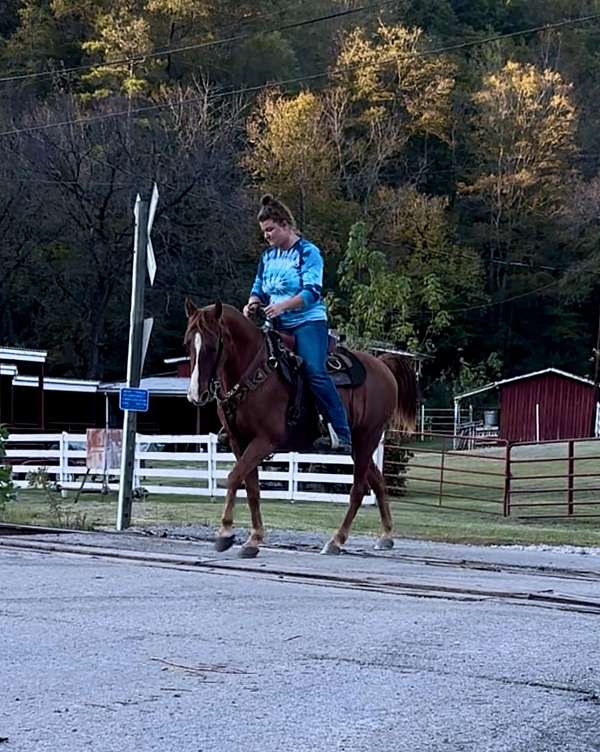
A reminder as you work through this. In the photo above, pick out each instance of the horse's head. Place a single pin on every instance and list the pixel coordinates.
(204, 343)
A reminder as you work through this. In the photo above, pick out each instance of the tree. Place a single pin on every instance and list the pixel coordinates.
(121, 34)
(389, 92)
(390, 75)
(291, 151)
(524, 127)
(405, 295)
(73, 280)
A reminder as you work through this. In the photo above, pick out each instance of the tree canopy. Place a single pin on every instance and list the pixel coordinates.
(443, 154)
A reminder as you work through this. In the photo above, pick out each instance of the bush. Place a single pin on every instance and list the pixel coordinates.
(7, 488)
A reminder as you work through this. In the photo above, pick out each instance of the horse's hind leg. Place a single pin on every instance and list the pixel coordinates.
(359, 488)
(377, 483)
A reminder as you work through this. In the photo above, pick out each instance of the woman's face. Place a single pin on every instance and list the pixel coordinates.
(276, 234)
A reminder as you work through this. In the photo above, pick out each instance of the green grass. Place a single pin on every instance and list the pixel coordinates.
(410, 521)
(418, 514)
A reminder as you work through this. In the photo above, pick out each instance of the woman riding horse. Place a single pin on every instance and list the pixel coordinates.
(289, 283)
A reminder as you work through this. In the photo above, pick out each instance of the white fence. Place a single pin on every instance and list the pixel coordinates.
(187, 465)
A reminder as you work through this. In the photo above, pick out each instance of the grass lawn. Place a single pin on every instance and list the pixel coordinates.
(410, 520)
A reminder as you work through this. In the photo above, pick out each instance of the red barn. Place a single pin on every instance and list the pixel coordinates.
(544, 405)
(547, 405)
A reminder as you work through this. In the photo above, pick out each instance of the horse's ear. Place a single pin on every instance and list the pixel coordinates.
(218, 310)
(190, 308)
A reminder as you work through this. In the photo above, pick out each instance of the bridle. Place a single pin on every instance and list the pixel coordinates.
(256, 374)
(214, 385)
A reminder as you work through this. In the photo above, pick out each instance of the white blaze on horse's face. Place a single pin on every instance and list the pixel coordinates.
(193, 394)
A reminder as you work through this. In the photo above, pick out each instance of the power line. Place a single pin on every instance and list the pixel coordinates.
(506, 300)
(475, 257)
(58, 181)
(299, 79)
(140, 57)
(241, 23)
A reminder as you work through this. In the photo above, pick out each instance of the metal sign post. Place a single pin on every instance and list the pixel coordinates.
(134, 361)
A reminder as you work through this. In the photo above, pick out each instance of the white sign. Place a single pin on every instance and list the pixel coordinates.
(152, 208)
(150, 261)
(150, 258)
(148, 324)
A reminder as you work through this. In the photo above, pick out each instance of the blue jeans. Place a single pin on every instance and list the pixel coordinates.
(311, 345)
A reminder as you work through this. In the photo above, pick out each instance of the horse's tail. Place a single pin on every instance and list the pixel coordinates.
(405, 416)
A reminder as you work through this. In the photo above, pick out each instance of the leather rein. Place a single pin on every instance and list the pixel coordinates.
(264, 362)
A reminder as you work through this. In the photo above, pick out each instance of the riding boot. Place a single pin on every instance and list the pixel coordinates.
(336, 443)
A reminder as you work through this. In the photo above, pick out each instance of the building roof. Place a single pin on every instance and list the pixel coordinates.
(22, 354)
(52, 384)
(496, 384)
(174, 386)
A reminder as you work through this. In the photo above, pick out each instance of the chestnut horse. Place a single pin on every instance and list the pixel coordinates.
(230, 362)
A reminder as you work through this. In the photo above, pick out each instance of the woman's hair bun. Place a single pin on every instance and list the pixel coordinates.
(274, 209)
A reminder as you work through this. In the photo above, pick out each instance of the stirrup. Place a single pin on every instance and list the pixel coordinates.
(223, 440)
(332, 443)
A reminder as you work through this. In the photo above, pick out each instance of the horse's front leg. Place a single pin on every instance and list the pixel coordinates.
(245, 466)
(257, 532)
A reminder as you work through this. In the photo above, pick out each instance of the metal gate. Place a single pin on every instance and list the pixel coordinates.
(554, 479)
(551, 479)
(442, 470)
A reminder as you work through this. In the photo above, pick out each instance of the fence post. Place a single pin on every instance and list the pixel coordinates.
(570, 477)
(507, 481)
(137, 463)
(211, 464)
(63, 461)
(292, 482)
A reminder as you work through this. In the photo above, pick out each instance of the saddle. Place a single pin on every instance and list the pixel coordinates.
(344, 367)
(342, 364)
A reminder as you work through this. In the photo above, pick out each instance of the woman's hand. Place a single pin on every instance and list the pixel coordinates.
(275, 309)
(250, 308)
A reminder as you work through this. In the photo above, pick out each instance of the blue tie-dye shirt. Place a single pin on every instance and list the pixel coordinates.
(295, 271)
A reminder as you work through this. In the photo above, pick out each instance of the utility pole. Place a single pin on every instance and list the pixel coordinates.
(596, 352)
(134, 360)
(596, 359)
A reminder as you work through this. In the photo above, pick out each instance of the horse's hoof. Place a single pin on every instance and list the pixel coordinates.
(384, 544)
(224, 542)
(331, 549)
(248, 551)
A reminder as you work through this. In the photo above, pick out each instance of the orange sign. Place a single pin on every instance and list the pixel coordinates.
(104, 447)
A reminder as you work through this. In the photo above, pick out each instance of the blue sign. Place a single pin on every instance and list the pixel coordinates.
(134, 399)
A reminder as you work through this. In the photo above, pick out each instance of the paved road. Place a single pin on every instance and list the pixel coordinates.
(110, 655)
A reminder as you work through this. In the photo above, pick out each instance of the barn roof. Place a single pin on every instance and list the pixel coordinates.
(23, 355)
(157, 385)
(496, 384)
(52, 384)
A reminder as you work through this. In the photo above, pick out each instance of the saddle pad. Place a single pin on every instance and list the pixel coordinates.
(345, 368)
